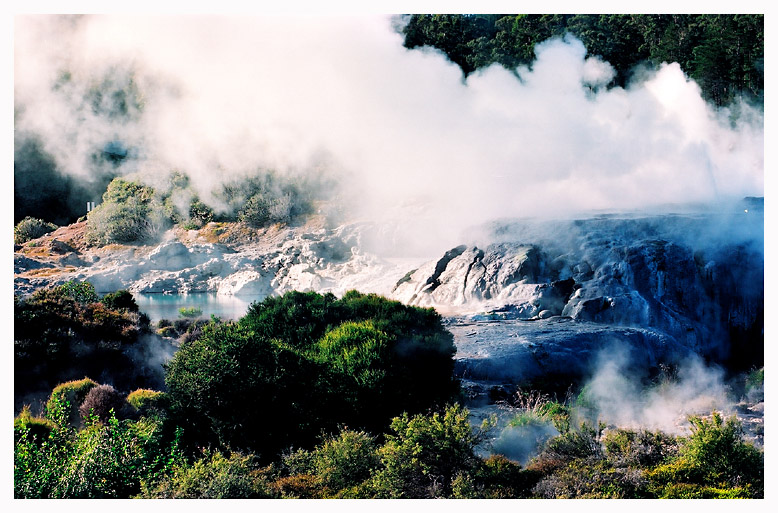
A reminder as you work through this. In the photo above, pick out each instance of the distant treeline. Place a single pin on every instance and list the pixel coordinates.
(723, 53)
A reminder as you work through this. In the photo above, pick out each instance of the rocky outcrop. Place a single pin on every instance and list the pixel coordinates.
(693, 280)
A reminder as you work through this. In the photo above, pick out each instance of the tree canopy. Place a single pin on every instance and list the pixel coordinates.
(724, 53)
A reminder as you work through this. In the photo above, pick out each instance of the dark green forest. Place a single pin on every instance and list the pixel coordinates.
(723, 53)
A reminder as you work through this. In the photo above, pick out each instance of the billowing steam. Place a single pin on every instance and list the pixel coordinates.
(401, 131)
(618, 397)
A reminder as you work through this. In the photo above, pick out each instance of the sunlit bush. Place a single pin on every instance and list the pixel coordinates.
(425, 453)
(65, 400)
(37, 428)
(714, 455)
(213, 476)
(31, 228)
(130, 212)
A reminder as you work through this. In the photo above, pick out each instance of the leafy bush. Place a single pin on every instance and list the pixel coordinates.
(496, 477)
(100, 403)
(341, 462)
(291, 358)
(639, 448)
(714, 455)
(65, 400)
(148, 401)
(106, 462)
(120, 300)
(130, 212)
(592, 479)
(425, 453)
(214, 476)
(36, 428)
(31, 228)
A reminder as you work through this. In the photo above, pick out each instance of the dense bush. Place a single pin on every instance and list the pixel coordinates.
(100, 403)
(130, 212)
(120, 300)
(339, 465)
(713, 456)
(214, 476)
(148, 402)
(65, 400)
(31, 228)
(424, 454)
(35, 428)
(66, 332)
(309, 362)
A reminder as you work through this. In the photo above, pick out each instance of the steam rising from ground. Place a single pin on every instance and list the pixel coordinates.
(619, 398)
(404, 135)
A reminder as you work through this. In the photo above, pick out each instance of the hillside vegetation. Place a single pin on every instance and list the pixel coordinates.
(310, 396)
(723, 53)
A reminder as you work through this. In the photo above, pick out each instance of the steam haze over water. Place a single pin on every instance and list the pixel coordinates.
(400, 132)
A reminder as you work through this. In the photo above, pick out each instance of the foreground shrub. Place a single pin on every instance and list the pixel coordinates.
(311, 363)
(340, 464)
(424, 454)
(497, 477)
(31, 228)
(639, 448)
(714, 455)
(214, 476)
(106, 462)
(592, 479)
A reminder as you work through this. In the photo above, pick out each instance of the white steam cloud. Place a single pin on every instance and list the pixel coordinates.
(620, 399)
(401, 130)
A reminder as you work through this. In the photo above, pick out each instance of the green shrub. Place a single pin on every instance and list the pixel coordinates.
(120, 300)
(642, 448)
(63, 404)
(293, 355)
(31, 228)
(106, 462)
(145, 400)
(358, 350)
(696, 491)
(345, 461)
(37, 428)
(497, 477)
(592, 479)
(130, 212)
(425, 453)
(214, 476)
(714, 455)
(82, 292)
(200, 214)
